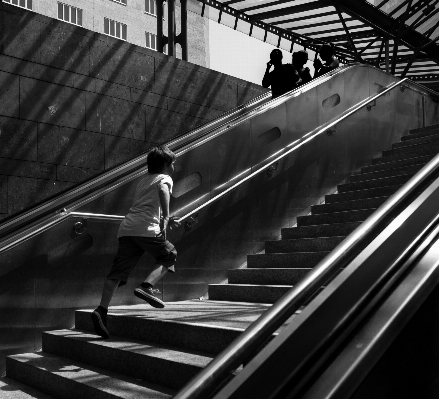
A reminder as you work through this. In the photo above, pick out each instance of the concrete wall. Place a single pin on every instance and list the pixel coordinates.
(74, 103)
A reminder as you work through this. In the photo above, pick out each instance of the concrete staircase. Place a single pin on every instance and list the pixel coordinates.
(152, 353)
(268, 276)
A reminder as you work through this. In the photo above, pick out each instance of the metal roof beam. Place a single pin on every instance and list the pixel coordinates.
(382, 23)
(307, 17)
(417, 51)
(322, 32)
(357, 55)
(400, 32)
(396, 9)
(283, 11)
(360, 35)
(313, 25)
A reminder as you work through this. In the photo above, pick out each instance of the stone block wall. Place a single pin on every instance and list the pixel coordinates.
(74, 103)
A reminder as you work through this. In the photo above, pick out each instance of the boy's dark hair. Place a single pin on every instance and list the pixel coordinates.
(158, 158)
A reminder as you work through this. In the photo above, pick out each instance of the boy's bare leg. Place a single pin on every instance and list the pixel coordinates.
(156, 274)
(108, 291)
(99, 315)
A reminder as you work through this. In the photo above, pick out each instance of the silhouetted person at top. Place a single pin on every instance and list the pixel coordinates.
(283, 78)
(300, 58)
(327, 54)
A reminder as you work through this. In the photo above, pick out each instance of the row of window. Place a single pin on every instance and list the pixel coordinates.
(73, 15)
(150, 7)
(20, 3)
(70, 14)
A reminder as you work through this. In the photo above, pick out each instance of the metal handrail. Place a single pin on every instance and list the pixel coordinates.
(99, 216)
(52, 210)
(51, 214)
(94, 189)
(122, 169)
(294, 146)
(202, 385)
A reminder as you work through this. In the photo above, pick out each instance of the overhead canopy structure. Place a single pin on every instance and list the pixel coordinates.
(401, 35)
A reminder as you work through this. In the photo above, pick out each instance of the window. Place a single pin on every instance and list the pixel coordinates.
(124, 2)
(69, 14)
(115, 29)
(151, 41)
(20, 3)
(150, 7)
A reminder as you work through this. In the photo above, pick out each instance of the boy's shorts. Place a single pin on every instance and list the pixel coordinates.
(130, 250)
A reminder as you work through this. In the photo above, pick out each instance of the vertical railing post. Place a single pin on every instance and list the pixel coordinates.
(160, 41)
(171, 28)
(183, 40)
(387, 56)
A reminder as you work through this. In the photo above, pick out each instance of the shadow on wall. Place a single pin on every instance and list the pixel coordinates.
(74, 103)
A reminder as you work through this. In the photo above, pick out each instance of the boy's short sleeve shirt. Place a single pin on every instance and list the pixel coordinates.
(143, 218)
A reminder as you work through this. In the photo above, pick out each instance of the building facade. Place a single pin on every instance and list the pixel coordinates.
(134, 21)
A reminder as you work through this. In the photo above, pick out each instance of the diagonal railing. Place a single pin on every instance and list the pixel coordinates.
(239, 351)
(54, 211)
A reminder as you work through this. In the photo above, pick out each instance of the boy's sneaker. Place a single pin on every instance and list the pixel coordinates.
(100, 323)
(149, 295)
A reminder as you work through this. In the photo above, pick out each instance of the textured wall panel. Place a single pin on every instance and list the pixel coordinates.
(64, 146)
(119, 149)
(18, 139)
(205, 112)
(21, 34)
(65, 47)
(248, 92)
(23, 192)
(149, 98)
(114, 116)
(3, 194)
(161, 125)
(37, 170)
(9, 94)
(74, 174)
(50, 103)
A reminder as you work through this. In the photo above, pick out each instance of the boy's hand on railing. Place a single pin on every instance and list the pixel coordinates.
(173, 222)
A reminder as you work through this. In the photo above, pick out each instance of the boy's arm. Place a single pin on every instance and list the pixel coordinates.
(164, 196)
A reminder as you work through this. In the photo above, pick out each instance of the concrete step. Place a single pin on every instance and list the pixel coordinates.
(406, 170)
(247, 292)
(368, 184)
(162, 365)
(412, 138)
(335, 217)
(69, 379)
(362, 194)
(414, 148)
(433, 129)
(324, 230)
(414, 153)
(184, 324)
(11, 389)
(303, 245)
(267, 276)
(376, 167)
(291, 260)
(342, 206)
